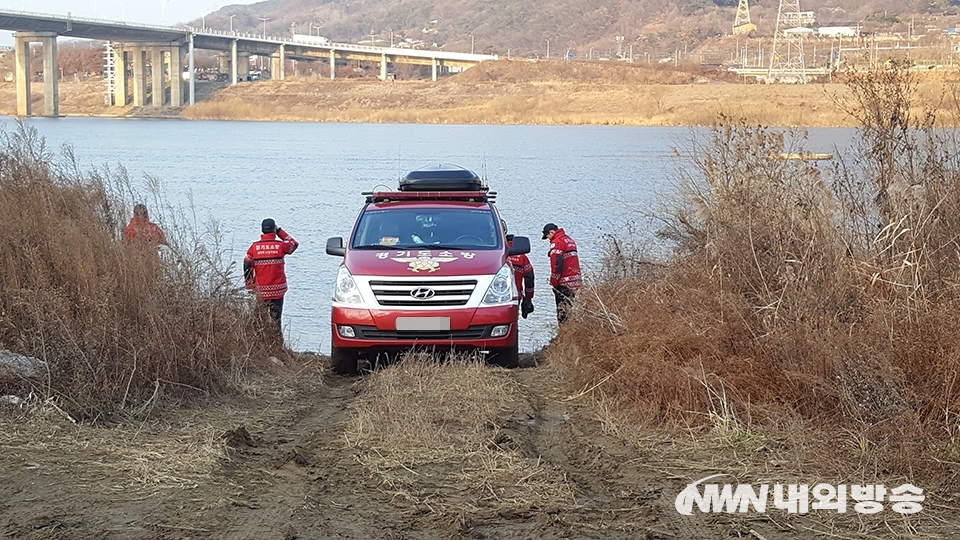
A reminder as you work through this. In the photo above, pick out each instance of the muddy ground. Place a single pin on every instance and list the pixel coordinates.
(280, 459)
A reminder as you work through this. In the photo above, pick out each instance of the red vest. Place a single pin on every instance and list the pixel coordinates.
(265, 261)
(564, 261)
(142, 230)
(522, 272)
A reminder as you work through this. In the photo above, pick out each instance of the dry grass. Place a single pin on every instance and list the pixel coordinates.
(144, 456)
(558, 102)
(117, 325)
(420, 413)
(813, 306)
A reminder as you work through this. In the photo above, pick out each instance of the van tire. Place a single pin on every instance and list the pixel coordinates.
(508, 358)
(343, 361)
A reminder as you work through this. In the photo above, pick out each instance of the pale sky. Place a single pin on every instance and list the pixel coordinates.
(167, 12)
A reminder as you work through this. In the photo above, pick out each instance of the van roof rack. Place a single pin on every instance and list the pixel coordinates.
(442, 177)
(464, 196)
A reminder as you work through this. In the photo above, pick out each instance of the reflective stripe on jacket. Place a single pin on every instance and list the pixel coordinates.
(564, 261)
(523, 274)
(263, 265)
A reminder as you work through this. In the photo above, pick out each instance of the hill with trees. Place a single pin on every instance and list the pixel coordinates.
(526, 27)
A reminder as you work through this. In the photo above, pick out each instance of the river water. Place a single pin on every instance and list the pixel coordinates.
(590, 180)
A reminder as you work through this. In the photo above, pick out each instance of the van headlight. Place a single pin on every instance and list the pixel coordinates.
(346, 290)
(502, 288)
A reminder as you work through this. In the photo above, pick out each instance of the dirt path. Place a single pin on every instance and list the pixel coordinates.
(277, 463)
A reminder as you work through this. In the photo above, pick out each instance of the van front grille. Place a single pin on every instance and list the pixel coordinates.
(423, 292)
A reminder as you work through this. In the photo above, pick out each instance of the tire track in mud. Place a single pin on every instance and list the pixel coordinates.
(298, 478)
(612, 498)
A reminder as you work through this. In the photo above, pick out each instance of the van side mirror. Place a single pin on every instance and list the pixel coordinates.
(335, 246)
(521, 246)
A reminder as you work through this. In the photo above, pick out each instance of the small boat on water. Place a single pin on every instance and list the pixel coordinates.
(806, 156)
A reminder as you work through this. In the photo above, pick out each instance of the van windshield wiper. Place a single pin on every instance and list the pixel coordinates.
(385, 246)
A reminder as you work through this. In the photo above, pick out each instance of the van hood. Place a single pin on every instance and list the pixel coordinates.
(424, 262)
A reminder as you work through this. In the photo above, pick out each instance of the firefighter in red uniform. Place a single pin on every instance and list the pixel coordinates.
(263, 266)
(523, 274)
(565, 275)
(141, 230)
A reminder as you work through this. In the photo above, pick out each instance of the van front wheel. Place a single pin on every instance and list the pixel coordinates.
(508, 358)
(343, 361)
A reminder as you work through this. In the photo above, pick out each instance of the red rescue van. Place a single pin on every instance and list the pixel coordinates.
(426, 266)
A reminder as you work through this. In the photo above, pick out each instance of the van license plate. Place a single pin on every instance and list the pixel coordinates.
(423, 323)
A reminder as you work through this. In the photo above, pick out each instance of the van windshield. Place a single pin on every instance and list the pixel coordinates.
(438, 228)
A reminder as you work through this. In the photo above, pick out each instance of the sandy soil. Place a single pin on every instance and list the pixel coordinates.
(281, 460)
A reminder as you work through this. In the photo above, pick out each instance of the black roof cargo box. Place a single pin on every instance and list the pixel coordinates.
(442, 177)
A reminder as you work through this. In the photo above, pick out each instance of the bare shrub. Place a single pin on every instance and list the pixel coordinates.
(796, 296)
(117, 324)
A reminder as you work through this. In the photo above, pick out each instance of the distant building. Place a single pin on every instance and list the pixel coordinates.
(836, 31)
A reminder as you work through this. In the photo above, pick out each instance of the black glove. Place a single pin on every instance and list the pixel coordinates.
(526, 307)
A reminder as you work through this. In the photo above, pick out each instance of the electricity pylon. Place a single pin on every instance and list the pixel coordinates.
(786, 58)
(742, 24)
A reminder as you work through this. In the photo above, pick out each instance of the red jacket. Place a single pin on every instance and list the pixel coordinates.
(564, 261)
(141, 229)
(263, 265)
(522, 273)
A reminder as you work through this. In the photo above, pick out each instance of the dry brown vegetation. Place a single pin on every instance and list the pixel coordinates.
(814, 307)
(117, 325)
(419, 413)
(521, 92)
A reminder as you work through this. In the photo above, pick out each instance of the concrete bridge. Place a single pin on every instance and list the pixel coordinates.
(134, 51)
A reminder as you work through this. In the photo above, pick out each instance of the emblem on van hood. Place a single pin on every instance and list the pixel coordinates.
(424, 262)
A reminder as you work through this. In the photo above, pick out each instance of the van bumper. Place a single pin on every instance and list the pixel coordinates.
(367, 330)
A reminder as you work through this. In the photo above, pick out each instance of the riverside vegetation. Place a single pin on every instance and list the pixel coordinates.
(801, 330)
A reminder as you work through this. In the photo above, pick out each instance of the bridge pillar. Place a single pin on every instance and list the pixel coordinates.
(191, 68)
(158, 88)
(233, 62)
(276, 60)
(120, 76)
(433, 64)
(138, 62)
(51, 76)
(383, 67)
(243, 65)
(333, 65)
(283, 62)
(176, 77)
(22, 74)
(51, 72)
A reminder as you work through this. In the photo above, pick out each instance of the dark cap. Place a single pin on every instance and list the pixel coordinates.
(268, 226)
(549, 227)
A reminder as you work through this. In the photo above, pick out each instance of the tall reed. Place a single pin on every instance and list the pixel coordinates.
(117, 324)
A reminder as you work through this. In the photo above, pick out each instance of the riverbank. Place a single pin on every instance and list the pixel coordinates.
(501, 92)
